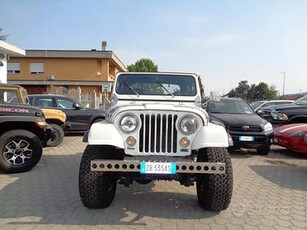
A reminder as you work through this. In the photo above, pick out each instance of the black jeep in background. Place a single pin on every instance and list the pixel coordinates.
(296, 112)
(23, 134)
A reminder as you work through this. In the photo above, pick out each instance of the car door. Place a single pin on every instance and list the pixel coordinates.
(78, 117)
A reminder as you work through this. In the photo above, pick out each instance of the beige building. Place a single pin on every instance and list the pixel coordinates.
(43, 70)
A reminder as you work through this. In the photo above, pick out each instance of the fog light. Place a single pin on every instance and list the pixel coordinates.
(184, 142)
(131, 141)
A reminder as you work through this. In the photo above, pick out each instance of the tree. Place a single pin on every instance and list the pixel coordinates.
(240, 91)
(143, 65)
(3, 37)
(254, 92)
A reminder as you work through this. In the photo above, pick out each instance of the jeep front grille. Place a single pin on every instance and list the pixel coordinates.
(158, 133)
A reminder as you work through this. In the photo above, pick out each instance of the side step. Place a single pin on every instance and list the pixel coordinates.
(134, 166)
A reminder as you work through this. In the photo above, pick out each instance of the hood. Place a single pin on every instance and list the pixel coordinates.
(113, 111)
(238, 119)
(291, 128)
(20, 110)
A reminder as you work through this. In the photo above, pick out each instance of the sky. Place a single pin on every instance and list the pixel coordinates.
(223, 41)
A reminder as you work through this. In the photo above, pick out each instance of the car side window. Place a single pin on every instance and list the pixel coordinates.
(269, 104)
(64, 103)
(43, 102)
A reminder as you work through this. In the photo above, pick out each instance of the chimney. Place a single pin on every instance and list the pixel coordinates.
(103, 45)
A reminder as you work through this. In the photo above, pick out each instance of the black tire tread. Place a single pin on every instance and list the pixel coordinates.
(59, 135)
(93, 186)
(216, 193)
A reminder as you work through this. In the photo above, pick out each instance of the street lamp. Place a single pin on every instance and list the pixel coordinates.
(284, 82)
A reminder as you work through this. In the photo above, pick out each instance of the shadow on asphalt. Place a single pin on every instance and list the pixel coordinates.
(283, 174)
(50, 192)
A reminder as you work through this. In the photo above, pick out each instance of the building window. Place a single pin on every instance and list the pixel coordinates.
(13, 68)
(36, 68)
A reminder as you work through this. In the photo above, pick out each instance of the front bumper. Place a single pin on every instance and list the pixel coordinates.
(253, 141)
(134, 166)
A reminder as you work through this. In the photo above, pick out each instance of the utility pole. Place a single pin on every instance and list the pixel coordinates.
(284, 83)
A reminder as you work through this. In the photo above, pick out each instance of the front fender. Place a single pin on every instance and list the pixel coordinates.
(104, 133)
(211, 136)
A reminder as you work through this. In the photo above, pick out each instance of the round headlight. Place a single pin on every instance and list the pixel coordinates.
(188, 125)
(128, 123)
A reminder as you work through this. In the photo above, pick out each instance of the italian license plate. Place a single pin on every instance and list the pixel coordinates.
(246, 138)
(158, 168)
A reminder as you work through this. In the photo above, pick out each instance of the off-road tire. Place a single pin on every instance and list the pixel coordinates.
(214, 191)
(264, 149)
(96, 189)
(59, 135)
(20, 151)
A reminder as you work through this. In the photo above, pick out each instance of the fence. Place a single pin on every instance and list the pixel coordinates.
(88, 99)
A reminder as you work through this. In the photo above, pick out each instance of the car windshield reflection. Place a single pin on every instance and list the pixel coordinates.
(301, 101)
(229, 106)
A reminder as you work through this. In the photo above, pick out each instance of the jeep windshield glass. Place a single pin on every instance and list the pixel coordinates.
(229, 106)
(156, 84)
(9, 96)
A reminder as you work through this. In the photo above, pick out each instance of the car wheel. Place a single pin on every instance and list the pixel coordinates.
(59, 135)
(20, 150)
(264, 149)
(214, 191)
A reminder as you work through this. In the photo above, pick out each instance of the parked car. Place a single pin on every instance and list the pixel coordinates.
(292, 136)
(79, 118)
(296, 112)
(15, 94)
(265, 103)
(246, 128)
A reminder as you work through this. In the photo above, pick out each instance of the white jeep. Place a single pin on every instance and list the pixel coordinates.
(156, 130)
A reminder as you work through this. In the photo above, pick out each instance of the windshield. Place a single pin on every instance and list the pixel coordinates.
(301, 101)
(157, 84)
(229, 106)
(255, 104)
(9, 96)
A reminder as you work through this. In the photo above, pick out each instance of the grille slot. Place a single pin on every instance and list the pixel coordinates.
(158, 133)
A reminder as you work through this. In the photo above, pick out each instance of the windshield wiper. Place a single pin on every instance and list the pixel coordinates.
(165, 88)
(131, 88)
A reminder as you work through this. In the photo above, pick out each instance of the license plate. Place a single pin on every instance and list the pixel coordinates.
(246, 138)
(158, 168)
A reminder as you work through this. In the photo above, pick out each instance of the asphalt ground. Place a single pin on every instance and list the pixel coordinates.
(270, 192)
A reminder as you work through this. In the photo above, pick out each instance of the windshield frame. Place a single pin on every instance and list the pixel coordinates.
(158, 84)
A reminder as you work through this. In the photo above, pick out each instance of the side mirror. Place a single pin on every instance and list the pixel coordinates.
(77, 106)
(259, 112)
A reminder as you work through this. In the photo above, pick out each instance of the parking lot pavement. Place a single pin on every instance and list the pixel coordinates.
(270, 192)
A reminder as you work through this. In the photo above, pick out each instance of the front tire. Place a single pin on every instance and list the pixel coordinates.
(96, 189)
(59, 135)
(214, 191)
(20, 151)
